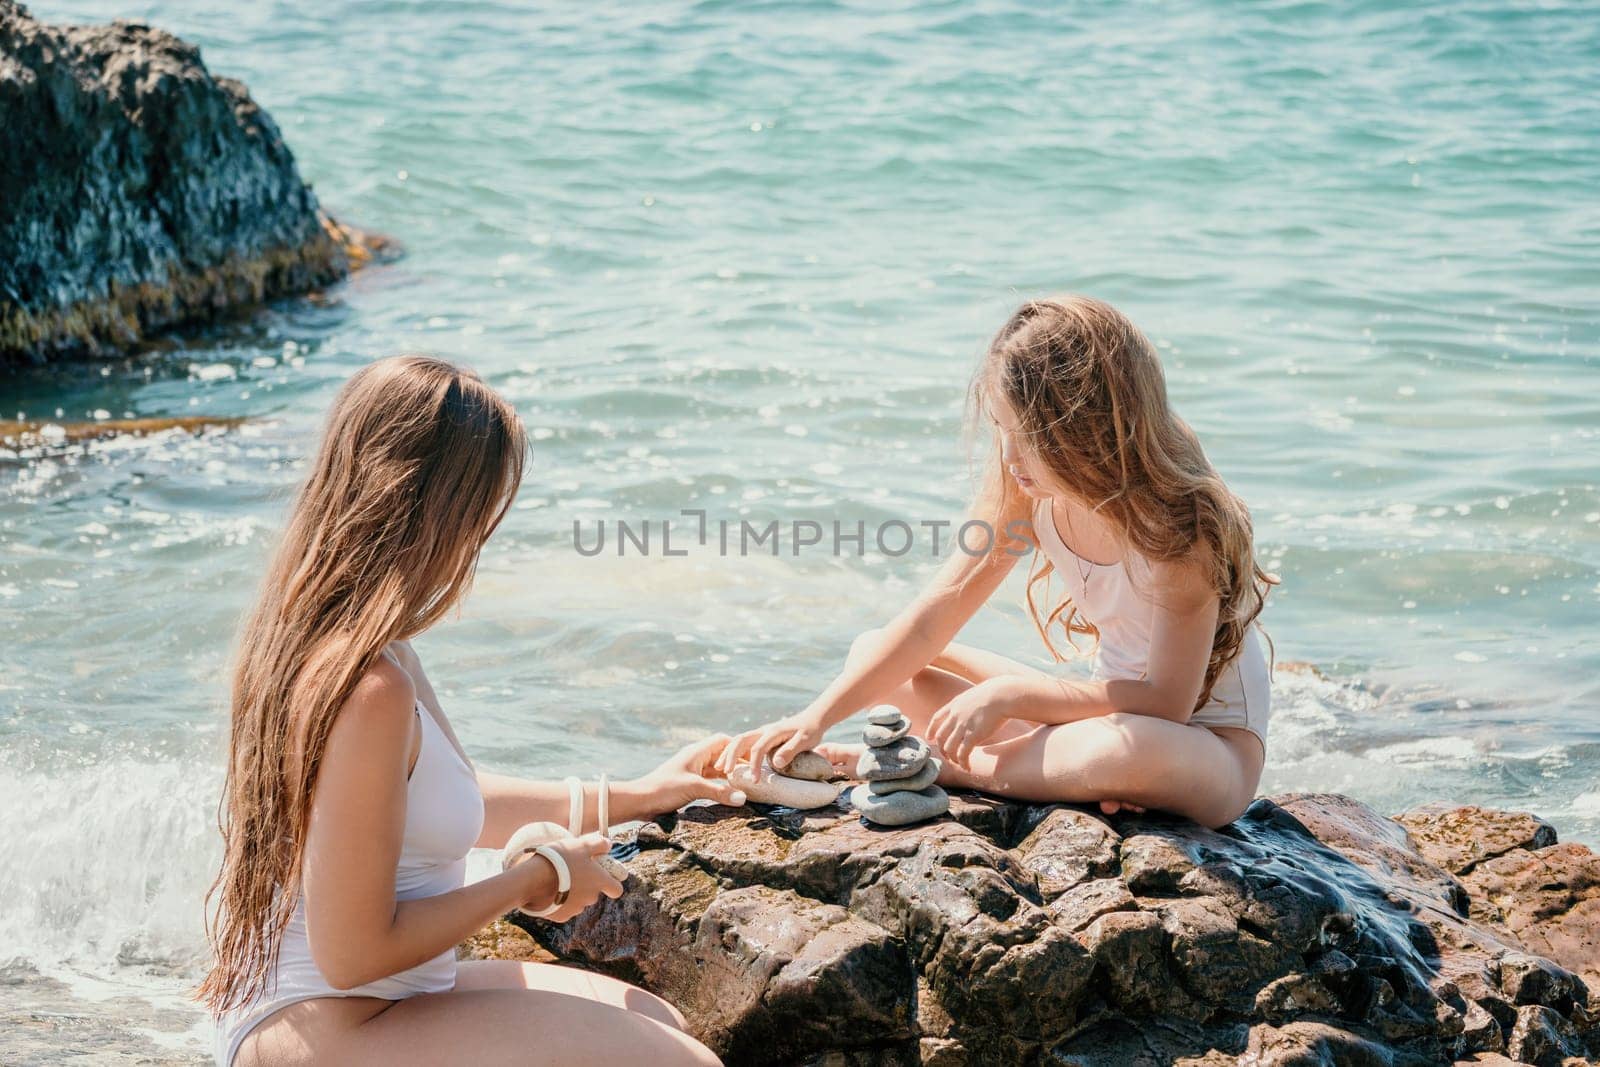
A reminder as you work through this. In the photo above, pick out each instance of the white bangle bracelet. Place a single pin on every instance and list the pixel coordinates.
(604, 802)
(563, 881)
(575, 805)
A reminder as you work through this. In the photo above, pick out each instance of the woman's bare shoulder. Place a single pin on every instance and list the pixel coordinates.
(382, 700)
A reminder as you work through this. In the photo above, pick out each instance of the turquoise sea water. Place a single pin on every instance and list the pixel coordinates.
(743, 258)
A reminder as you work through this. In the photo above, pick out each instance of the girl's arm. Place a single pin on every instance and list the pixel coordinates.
(510, 802)
(909, 643)
(358, 931)
(1180, 645)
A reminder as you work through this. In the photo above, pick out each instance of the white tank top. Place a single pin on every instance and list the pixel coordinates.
(444, 816)
(1106, 595)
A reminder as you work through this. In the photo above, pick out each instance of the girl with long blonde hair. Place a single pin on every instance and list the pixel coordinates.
(1101, 482)
(350, 805)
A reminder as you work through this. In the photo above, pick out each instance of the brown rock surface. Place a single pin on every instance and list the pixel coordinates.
(1519, 879)
(1312, 930)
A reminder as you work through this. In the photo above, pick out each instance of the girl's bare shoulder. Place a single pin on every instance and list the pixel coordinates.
(1182, 582)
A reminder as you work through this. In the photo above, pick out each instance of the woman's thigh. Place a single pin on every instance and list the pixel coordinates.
(483, 1027)
(553, 978)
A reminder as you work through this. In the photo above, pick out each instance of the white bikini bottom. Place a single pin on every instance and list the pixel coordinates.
(1242, 697)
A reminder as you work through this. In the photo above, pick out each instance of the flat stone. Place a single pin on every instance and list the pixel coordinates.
(921, 780)
(901, 759)
(884, 715)
(774, 788)
(808, 766)
(901, 808)
(877, 735)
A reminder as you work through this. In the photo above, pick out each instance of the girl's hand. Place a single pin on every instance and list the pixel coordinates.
(782, 741)
(842, 755)
(691, 773)
(965, 723)
(590, 881)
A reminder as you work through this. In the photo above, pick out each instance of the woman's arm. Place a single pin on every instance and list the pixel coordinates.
(358, 932)
(909, 643)
(509, 802)
(682, 777)
(1180, 646)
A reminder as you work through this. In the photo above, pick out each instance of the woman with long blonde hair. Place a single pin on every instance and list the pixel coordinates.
(350, 805)
(1096, 472)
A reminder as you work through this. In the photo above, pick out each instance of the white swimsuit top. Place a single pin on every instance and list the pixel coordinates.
(444, 816)
(1106, 595)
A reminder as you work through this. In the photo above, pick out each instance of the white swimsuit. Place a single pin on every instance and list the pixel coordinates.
(1242, 696)
(444, 815)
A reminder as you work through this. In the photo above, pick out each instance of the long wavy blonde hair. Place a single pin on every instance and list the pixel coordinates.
(1090, 399)
(419, 463)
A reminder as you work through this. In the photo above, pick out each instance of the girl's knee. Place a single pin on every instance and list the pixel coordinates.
(1228, 809)
(865, 641)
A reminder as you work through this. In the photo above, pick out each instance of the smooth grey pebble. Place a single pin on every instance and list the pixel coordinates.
(878, 735)
(808, 766)
(899, 759)
(921, 780)
(902, 808)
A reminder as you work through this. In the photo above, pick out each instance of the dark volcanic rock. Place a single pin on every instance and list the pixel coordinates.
(138, 191)
(1310, 931)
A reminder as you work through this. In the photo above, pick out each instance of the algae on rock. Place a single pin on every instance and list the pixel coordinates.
(139, 192)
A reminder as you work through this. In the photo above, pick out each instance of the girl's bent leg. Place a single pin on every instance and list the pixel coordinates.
(1132, 759)
(933, 687)
(1127, 760)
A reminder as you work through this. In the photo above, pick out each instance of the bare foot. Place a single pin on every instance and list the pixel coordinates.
(1111, 807)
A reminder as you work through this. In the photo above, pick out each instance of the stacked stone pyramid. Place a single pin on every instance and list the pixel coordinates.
(897, 773)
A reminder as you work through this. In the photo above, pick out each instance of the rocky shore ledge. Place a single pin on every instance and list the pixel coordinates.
(139, 192)
(1311, 931)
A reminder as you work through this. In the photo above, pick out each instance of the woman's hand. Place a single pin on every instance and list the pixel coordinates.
(782, 741)
(691, 773)
(967, 722)
(590, 881)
